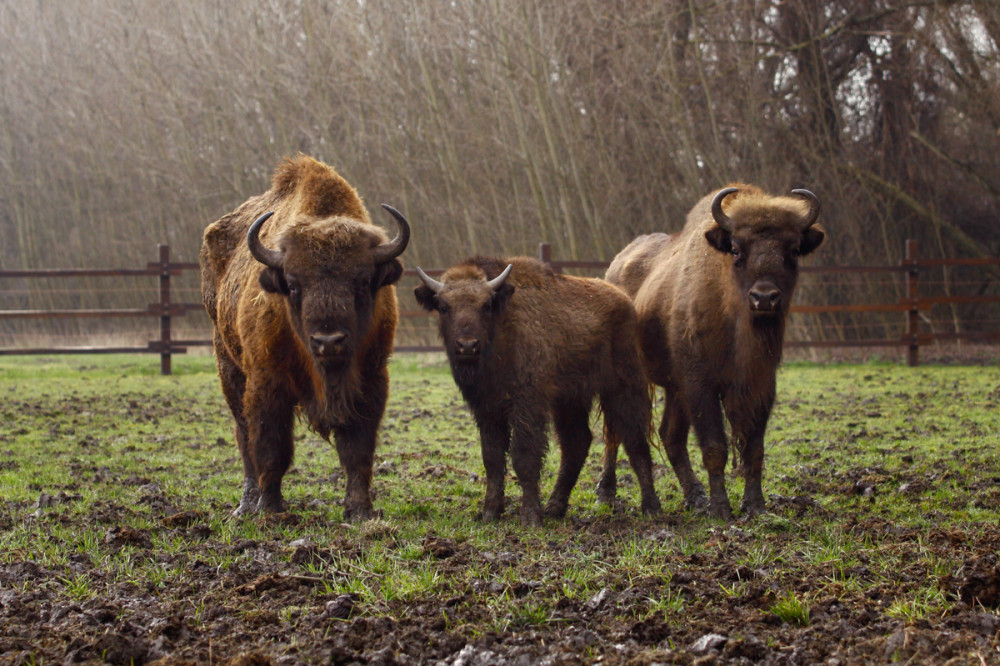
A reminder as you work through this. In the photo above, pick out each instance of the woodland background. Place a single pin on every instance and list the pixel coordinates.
(496, 124)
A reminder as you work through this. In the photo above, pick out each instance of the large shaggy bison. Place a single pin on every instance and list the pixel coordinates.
(298, 282)
(712, 303)
(525, 345)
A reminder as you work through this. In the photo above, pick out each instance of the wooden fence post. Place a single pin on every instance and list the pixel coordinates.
(912, 294)
(164, 309)
(545, 256)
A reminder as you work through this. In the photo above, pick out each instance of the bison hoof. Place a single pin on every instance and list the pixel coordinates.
(721, 510)
(531, 517)
(696, 501)
(606, 492)
(245, 508)
(556, 509)
(271, 505)
(651, 507)
(357, 514)
(490, 514)
(752, 509)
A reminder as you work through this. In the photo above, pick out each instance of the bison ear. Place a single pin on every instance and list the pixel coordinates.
(720, 239)
(812, 238)
(273, 280)
(387, 273)
(501, 296)
(425, 297)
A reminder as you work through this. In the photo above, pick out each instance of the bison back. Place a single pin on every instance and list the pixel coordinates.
(630, 268)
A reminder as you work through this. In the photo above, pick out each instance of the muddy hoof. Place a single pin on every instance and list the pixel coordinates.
(271, 504)
(556, 509)
(651, 507)
(244, 509)
(606, 492)
(752, 509)
(531, 517)
(357, 514)
(696, 501)
(720, 510)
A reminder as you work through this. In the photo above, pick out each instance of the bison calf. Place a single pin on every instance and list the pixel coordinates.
(711, 303)
(525, 344)
(298, 283)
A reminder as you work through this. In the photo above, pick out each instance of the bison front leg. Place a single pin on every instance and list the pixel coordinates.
(706, 413)
(527, 451)
(574, 443)
(356, 446)
(494, 437)
(233, 387)
(749, 441)
(356, 450)
(251, 490)
(269, 444)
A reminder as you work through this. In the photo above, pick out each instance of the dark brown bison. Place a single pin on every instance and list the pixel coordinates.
(525, 345)
(712, 302)
(305, 313)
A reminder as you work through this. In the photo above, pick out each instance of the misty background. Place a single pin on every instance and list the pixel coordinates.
(495, 125)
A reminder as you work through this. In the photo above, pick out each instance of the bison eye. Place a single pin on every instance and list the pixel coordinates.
(442, 307)
(736, 252)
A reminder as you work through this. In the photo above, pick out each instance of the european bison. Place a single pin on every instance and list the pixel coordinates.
(712, 302)
(304, 315)
(525, 344)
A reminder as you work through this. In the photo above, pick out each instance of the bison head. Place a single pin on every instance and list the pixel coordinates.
(329, 270)
(766, 236)
(469, 305)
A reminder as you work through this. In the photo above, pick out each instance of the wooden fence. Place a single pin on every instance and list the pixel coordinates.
(910, 305)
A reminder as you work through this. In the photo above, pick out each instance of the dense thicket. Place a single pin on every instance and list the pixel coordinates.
(496, 124)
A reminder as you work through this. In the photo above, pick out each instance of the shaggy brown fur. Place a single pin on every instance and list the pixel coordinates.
(542, 346)
(705, 335)
(267, 319)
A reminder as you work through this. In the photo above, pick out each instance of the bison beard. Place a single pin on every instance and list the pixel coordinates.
(536, 346)
(712, 302)
(304, 322)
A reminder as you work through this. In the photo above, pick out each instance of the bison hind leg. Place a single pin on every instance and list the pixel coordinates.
(573, 432)
(607, 485)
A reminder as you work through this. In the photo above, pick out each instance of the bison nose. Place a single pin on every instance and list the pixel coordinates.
(467, 346)
(765, 298)
(328, 344)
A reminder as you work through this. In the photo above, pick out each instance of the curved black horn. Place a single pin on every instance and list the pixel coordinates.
(813, 208)
(264, 255)
(720, 218)
(498, 281)
(388, 251)
(431, 283)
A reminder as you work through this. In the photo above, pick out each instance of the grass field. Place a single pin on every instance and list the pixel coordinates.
(116, 544)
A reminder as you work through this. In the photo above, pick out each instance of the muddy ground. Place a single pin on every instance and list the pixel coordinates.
(242, 616)
(278, 598)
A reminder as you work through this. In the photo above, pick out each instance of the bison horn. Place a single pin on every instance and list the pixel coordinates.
(498, 281)
(388, 251)
(431, 283)
(264, 255)
(813, 208)
(720, 218)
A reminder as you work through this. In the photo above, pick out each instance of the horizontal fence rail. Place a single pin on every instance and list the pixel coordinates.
(911, 304)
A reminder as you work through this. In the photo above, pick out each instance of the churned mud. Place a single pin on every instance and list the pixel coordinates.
(150, 569)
